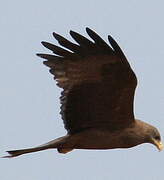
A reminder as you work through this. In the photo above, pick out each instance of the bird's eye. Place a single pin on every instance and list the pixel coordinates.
(157, 137)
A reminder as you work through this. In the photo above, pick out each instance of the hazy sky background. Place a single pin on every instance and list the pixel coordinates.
(29, 98)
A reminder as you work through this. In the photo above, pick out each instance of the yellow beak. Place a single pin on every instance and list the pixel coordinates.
(158, 144)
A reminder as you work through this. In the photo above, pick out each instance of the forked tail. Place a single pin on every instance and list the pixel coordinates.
(52, 144)
(14, 153)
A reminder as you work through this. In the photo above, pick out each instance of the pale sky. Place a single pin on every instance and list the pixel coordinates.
(29, 106)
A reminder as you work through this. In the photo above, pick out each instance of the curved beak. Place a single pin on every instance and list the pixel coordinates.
(158, 144)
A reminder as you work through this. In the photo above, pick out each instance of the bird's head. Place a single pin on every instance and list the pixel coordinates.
(155, 138)
(148, 134)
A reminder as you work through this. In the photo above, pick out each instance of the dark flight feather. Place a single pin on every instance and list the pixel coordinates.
(98, 82)
(99, 41)
(69, 45)
(117, 49)
(57, 50)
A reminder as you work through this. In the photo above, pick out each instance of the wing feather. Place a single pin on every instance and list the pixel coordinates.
(69, 45)
(99, 41)
(97, 80)
(81, 40)
(57, 50)
(117, 49)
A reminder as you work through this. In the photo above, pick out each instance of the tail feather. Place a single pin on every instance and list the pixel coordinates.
(52, 144)
(15, 153)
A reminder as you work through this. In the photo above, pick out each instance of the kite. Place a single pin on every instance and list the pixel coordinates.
(98, 87)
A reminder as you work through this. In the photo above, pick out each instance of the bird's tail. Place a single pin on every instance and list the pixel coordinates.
(52, 144)
(14, 153)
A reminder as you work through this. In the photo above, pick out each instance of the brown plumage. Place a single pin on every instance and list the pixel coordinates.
(97, 98)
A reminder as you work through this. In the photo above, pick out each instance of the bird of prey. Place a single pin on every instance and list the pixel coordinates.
(97, 97)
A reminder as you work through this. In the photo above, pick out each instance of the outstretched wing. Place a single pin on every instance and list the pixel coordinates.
(98, 83)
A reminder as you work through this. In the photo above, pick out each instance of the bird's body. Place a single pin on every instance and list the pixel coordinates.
(97, 98)
(103, 138)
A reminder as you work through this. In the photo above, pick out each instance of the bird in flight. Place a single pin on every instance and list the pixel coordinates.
(98, 87)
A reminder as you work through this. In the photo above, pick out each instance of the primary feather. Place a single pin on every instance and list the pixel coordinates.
(98, 83)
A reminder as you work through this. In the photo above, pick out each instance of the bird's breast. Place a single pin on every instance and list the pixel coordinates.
(97, 139)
